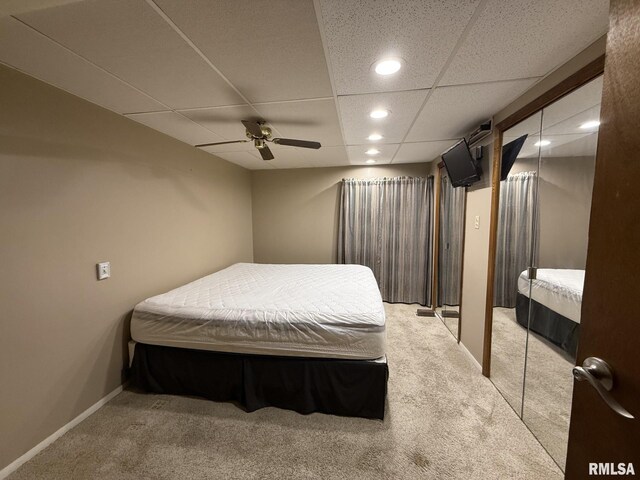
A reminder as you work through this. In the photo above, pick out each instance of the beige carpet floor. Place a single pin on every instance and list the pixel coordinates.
(549, 382)
(444, 421)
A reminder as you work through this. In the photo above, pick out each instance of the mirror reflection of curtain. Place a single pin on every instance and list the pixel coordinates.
(516, 232)
(450, 254)
(385, 224)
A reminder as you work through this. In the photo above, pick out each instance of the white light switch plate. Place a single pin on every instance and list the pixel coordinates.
(476, 224)
(104, 270)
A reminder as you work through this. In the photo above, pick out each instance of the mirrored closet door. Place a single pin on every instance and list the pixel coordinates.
(450, 245)
(548, 169)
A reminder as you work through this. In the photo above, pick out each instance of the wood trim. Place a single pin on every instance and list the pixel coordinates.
(464, 234)
(436, 239)
(569, 84)
(493, 238)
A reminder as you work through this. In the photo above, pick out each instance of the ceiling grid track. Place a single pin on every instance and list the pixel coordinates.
(318, 9)
(340, 41)
(112, 75)
(465, 33)
(195, 48)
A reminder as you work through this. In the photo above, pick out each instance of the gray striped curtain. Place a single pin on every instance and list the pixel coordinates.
(450, 254)
(516, 235)
(386, 224)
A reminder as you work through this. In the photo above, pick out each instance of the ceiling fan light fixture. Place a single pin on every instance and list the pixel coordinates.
(387, 66)
(379, 113)
(374, 137)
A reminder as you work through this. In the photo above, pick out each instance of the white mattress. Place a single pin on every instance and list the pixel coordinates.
(329, 311)
(557, 289)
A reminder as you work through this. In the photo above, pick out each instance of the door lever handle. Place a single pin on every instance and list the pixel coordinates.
(599, 374)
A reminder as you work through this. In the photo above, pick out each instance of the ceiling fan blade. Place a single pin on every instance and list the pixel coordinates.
(253, 128)
(296, 143)
(220, 143)
(266, 153)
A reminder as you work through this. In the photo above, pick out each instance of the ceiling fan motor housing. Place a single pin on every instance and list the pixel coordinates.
(259, 133)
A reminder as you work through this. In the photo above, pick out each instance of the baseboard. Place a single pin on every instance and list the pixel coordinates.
(470, 355)
(13, 466)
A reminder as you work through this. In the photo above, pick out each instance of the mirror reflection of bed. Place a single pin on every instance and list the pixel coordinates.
(541, 252)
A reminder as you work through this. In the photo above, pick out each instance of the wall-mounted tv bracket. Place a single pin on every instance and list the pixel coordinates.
(477, 153)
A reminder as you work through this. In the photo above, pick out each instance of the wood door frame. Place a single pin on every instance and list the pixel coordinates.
(566, 86)
(436, 247)
(436, 238)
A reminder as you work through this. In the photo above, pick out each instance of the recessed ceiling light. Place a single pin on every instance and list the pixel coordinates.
(371, 160)
(542, 143)
(374, 137)
(379, 113)
(590, 124)
(388, 66)
(372, 151)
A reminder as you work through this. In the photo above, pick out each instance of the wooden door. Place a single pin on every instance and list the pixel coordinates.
(610, 322)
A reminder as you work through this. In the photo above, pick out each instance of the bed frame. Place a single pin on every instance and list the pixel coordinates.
(554, 327)
(355, 388)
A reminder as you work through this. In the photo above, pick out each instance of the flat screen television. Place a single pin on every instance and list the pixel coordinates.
(510, 152)
(463, 170)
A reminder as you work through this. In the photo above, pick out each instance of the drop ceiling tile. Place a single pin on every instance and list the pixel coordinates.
(28, 51)
(231, 147)
(129, 39)
(177, 126)
(573, 123)
(521, 38)
(290, 157)
(357, 125)
(452, 112)
(224, 121)
(577, 102)
(357, 155)
(421, 151)
(245, 159)
(565, 115)
(423, 34)
(270, 50)
(570, 145)
(328, 156)
(15, 7)
(529, 126)
(315, 120)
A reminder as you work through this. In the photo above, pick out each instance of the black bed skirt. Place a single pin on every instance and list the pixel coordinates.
(353, 388)
(556, 328)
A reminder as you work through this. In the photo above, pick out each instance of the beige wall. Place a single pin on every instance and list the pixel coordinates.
(479, 203)
(476, 258)
(79, 185)
(295, 212)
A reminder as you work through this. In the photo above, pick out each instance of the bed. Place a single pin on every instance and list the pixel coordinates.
(555, 301)
(304, 337)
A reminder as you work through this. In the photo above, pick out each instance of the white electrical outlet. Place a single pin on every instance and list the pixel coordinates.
(104, 270)
(476, 224)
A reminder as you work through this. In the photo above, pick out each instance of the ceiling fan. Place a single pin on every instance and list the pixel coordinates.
(258, 133)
